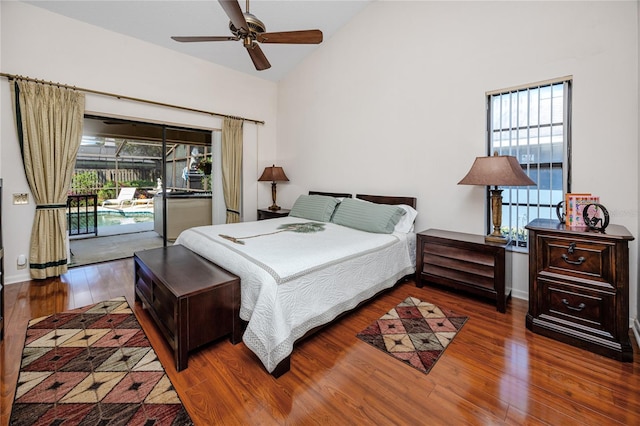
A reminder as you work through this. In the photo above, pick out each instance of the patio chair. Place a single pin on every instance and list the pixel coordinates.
(124, 197)
(143, 202)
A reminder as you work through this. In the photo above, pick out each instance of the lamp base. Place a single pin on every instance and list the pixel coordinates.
(494, 239)
(274, 206)
(496, 236)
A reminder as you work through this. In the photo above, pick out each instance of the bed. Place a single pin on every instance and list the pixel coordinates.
(300, 273)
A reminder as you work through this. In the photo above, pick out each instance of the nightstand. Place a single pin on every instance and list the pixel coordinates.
(579, 286)
(271, 214)
(464, 262)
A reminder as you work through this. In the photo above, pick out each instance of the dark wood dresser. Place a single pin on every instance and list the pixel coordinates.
(192, 301)
(579, 286)
(464, 262)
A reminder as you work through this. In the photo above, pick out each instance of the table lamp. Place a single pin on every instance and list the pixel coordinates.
(498, 170)
(273, 174)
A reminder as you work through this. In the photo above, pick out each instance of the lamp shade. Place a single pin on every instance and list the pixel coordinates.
(498, 170)
(273, 174)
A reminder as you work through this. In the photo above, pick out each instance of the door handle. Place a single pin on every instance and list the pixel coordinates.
(580, 307)
(580, 260)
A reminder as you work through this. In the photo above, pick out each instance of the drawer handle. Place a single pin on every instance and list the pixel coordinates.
(580, 307)
(580, 260)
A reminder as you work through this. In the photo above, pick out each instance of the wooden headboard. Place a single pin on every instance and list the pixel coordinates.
(384, 199)
(378, 199)
(331, 194)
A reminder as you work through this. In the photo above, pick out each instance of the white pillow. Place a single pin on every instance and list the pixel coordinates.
(405, 224)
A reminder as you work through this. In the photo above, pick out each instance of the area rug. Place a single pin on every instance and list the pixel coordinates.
(415, 332)
(93, 366)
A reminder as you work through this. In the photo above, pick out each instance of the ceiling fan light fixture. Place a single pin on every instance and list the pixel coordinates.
(255, 25)
(252, 31)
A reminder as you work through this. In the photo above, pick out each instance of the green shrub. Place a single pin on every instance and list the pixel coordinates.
(84, 182)
(107, 192)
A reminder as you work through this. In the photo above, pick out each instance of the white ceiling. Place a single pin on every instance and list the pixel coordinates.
(155, 21)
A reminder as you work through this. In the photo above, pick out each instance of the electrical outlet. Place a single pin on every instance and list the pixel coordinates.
(21, 198)
(22, 261)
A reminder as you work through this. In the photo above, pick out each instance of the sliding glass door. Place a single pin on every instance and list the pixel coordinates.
(136, 186)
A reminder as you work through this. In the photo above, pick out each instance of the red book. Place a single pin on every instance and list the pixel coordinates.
(575, 204)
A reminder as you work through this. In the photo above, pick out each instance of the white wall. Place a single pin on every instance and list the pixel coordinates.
(636, 327)
(395, 104)
(43, 45)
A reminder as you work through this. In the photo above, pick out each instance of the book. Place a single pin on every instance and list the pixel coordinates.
(569, 201)
(575, 204)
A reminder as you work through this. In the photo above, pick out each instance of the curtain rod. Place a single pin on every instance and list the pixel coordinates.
(129, 98)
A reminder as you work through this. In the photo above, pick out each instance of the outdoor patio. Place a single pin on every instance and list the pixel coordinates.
(115, 241)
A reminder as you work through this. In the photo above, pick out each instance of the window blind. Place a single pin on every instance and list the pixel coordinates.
(532, 123)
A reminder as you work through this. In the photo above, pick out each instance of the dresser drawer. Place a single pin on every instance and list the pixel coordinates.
(144, 282)
(464, 262)
(577, 258)
(164, 306)
(582, 309)
(471, 267)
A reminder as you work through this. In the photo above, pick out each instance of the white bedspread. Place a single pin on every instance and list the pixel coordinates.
(292, 282)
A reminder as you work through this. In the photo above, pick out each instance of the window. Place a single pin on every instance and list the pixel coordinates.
(533, 124)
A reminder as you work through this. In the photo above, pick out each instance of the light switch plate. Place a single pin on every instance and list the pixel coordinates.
(21, 198)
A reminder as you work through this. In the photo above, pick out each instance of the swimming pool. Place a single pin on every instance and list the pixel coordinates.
(117, 218)
(79, 223)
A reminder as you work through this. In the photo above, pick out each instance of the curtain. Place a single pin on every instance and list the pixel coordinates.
(49, 121)
(232, 166)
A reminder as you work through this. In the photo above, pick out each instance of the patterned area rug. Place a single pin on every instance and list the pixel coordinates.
(93, 366)
(414, 332)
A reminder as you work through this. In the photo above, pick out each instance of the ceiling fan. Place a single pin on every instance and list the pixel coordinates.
(246, 27)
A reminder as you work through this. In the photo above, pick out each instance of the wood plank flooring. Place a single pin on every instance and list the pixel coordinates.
(494, 372)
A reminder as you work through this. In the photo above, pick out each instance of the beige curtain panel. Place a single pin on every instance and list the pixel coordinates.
(49, 121)
(232, 166)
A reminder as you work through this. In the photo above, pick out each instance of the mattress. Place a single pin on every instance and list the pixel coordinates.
(296, 274)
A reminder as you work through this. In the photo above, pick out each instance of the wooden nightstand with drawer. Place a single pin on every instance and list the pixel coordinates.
(271, 214)
(464, 262)
(579, 286)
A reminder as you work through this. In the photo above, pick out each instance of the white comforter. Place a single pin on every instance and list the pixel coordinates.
(292, 282)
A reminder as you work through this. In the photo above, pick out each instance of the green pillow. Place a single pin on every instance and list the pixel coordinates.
(367, 216)
(314, 207)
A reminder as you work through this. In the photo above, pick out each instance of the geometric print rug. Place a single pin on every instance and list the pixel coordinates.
(93, 366)
(415, 332)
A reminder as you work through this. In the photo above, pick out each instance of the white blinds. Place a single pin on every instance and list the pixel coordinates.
(532, 123)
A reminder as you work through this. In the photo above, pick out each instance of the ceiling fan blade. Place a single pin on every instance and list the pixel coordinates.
(257, 56)
(192, 39)
(292, 37)
(232, 9)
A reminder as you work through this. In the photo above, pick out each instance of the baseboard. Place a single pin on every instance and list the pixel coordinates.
(20, 277)
(519, 294)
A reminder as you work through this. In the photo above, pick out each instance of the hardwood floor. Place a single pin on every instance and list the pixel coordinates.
(494, 372)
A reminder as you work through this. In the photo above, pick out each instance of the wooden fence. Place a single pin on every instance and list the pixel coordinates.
(103, 176)
(120, 175)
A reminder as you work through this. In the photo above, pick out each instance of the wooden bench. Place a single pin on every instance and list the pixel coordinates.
(192, 301)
